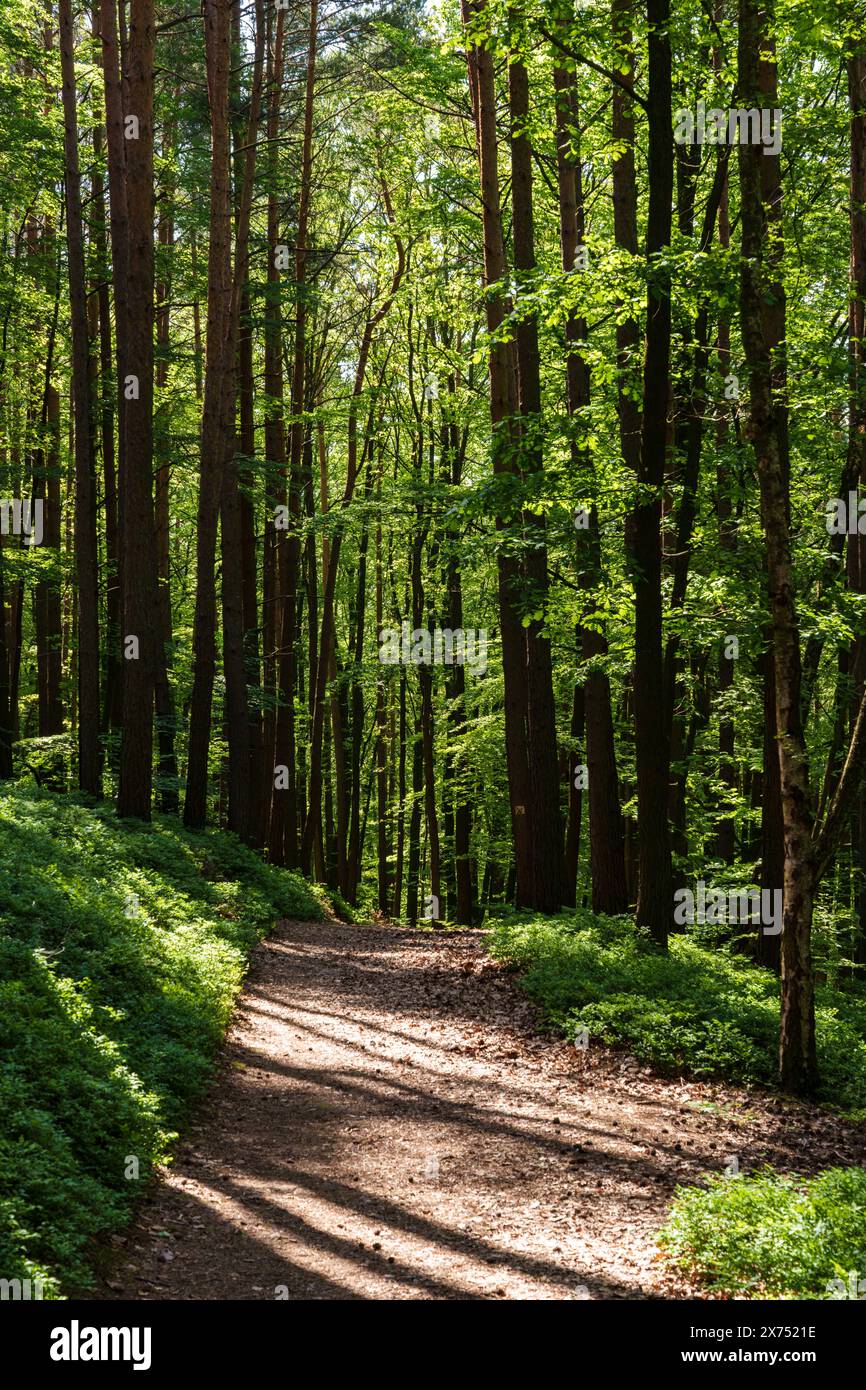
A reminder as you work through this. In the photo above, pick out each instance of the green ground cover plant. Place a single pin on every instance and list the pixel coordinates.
(702, 1010)
(773, 1236)
(122, 949)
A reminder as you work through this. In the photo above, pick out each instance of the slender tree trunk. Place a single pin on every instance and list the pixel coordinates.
(136, 531)
(655, 890)
(625, 232)
(397, 900)
(762, 315)
(460, 808)
(625, 228)
(231, 506)
(6, 768)
(857, 424)
(111, 696)
(725, 845)
(353, 854)
(424, 726)
(312, 437)
(548, 891)
(501, 365)
(47, 598)
(383, 746)
(165, 707)
(413, 866)
(274, 546)
(606, 845)
(119, 232)
(214, 442)
(249, 571)
(285, 806)
(197, 353)
(773, 834)
(690, 411)
(86, 554)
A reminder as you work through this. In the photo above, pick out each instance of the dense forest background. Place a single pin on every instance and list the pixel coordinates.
(341, 339)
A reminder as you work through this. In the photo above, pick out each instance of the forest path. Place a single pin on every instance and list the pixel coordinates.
(387, 1123)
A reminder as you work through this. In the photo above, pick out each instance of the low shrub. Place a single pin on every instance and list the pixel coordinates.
(706, 1012)
(773, 1236)
(122, 949)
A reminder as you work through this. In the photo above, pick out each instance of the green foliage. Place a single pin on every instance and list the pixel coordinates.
(122, 947)
(48, 760)
(704, 1011)
(773, 1236)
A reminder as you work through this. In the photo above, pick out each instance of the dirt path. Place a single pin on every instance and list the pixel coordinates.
(387, 1123)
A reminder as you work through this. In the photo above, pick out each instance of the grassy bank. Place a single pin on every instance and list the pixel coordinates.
(699, 1010)
(773, 1236)
(122, 948)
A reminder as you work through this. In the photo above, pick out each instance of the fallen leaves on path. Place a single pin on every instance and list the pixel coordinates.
(388, 1123)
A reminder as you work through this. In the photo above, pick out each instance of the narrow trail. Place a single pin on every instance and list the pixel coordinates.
(387, 1123)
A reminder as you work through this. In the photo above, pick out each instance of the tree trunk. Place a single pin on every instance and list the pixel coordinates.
(165, 708)
(382, 748)
(214, 442)
(231, 506)
(47, 597)
(136, 531)
(762, 310)
(655, 895)
(857, 424)
(285, 840)
(111, 696)
(606, 845)
(86, 554)
(501, 365)
(725, 843)
(548, 891)
(273, 556)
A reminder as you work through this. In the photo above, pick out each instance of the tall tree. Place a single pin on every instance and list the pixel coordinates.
(86, 554)
(547, 888)
(762, 316)
(856, 463)
(218, 395)
(655, 889)
(284, 813)
(607, 860)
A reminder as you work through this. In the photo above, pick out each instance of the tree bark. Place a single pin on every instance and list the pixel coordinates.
(164, 693)
(762, 308)
(284, 837)
(857, 426)
(215, 444)
(526, 787)
(86, 554)
(606, 844)
(231, 504)
(548, 890)
(111, 695)
(655, 896)
(136, 530)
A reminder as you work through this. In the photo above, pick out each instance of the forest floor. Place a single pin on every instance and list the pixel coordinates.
(387, 1122)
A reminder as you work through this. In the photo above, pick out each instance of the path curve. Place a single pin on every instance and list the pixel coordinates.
(387, 1123)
